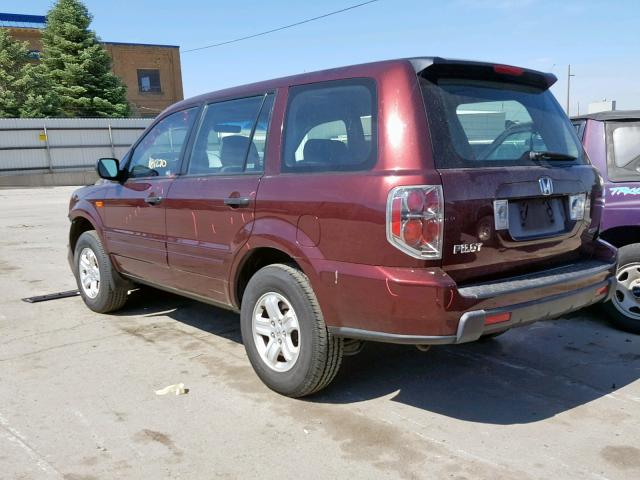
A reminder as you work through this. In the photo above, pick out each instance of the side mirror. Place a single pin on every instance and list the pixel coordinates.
(108, 168)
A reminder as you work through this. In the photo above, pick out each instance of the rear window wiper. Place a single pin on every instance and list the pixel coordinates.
(533, 155)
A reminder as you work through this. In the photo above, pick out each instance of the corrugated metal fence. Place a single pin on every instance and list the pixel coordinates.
(34, 145)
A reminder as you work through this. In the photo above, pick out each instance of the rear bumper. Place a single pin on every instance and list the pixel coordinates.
(427, 307)
(472, 326)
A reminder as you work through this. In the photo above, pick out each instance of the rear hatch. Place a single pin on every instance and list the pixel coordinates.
(517, 185)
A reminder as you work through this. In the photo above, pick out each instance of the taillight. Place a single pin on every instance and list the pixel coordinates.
(415, 220)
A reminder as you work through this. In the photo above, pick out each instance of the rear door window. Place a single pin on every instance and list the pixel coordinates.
(623, 151)
(232, 137)
(477, 123)
(331, 126)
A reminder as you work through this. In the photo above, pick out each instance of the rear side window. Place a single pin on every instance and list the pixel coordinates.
(159, 152)
(331, 126)
(478, 123)
(232, 137)
(623, 151)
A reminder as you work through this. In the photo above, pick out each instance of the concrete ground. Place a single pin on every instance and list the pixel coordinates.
(557, 399)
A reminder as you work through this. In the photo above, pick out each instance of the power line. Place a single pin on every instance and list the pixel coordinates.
(281, 28)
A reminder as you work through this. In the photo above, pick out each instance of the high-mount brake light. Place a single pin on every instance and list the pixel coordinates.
(508, 70)
(415, 218)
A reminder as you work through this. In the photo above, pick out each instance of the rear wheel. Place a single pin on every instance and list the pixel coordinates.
(284, 333)
(624, 308)
(100, 286)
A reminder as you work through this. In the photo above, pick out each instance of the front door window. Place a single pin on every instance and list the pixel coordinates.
(159, 153)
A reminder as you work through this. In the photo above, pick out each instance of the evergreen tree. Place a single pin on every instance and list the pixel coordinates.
(13, 60)
(40, 100)
(78, 67)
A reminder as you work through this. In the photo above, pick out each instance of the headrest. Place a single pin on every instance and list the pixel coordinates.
(325, 151)
(233, 150)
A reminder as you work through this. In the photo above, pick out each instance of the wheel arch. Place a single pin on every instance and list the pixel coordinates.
(79, 225)
(621, 236)
(272, 240)
(252, 261)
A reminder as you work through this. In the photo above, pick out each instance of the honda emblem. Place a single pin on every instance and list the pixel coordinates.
(546, 185)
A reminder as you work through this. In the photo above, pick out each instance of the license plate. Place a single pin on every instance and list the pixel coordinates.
(536, 212)
(536, 217)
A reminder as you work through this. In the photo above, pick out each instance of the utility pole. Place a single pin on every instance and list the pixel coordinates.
(569, 75)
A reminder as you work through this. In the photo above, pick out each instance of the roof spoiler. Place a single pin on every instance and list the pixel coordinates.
(434, 68)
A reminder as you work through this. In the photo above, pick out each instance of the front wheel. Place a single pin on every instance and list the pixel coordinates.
(624, 308)
(284, 333)
(101, 287)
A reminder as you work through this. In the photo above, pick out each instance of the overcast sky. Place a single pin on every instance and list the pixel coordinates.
(600, 39)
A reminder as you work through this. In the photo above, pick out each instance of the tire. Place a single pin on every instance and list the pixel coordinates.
(623, 310)
(110, 291)
(314, 354)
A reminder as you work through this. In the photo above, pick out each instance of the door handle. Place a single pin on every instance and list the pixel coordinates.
(153, 200)
(235, 202)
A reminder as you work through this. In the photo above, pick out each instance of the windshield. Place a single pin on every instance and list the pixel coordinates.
(476, 123)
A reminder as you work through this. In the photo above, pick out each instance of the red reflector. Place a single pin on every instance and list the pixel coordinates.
(508, 70)
(602, 290)
(497, 318)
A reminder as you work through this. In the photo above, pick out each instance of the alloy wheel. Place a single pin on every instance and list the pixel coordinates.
(89, 273)
(276, 332)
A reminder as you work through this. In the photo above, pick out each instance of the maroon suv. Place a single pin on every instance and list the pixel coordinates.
(419, 201)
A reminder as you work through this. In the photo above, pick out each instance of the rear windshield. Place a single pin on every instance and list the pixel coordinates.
(477, 123)
(623, 151)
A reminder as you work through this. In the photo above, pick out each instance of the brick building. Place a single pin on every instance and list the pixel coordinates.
(152, 73)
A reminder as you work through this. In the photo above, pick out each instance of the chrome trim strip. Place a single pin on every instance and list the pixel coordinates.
(385, 337)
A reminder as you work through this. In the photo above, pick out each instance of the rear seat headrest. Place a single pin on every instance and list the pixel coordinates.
(319, 150)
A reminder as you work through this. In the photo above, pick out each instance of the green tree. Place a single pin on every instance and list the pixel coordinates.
(77, 66)
(39, 100)
(13, 60)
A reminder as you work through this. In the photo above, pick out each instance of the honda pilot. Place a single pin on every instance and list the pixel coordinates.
(419, 201)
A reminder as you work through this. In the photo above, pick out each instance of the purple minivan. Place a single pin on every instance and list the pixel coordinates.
(612, 142)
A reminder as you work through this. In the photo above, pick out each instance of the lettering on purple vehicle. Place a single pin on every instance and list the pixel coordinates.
(625, 191)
